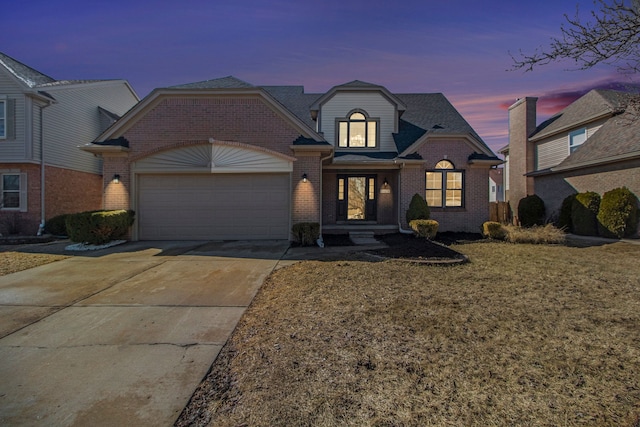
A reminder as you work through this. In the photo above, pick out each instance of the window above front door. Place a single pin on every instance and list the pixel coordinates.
(358, 130)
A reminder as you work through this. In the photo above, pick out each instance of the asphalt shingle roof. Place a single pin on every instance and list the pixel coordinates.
(295, 100)
(618, 137)
(24, 73)
(425, 112)
(595, 103)
(228, 82)
(435, 114)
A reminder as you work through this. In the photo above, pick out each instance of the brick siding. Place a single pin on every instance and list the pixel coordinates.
(66, 191)
(476, 186)
(553, 189)
(522, 122)
(305, 200)
(183, 121)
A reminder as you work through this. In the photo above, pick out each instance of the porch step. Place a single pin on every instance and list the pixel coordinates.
(362, 238)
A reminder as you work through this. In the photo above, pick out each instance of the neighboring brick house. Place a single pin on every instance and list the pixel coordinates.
(591, 145)
(42, 123)
(223, 159)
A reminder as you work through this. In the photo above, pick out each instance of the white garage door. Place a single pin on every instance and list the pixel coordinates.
(213, 207)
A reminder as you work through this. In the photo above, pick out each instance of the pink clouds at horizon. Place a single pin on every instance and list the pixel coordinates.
(480, 110)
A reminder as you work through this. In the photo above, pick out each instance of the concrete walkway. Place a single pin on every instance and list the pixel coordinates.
(125, 335)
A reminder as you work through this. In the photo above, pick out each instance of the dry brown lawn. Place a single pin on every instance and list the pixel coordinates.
(13, 261)
(523, 335)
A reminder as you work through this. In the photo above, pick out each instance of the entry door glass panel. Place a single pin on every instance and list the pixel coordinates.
(357, 192)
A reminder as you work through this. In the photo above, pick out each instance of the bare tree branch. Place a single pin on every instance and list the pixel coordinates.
(611, 36)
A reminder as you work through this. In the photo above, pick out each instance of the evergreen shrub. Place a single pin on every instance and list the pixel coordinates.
(564, 221)
(531, 211)
(584, 212)
(98, 227)
(56, 225)
(618, 213)
(306, 233)
(418, 209)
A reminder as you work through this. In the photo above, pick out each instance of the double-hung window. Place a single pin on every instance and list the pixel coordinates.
(358, 131)
(576, 138)
(13, 191)
(445, 186)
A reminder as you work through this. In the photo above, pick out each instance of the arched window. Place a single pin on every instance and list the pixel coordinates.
(444, 186)
(357, 131)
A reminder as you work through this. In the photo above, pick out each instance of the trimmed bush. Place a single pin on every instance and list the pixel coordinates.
(531, 211)
(306, 233)
(564, 220)
(56, 225)
(426, 228)
(494, 230)
(618, 213)
(418, 209)
(584, 212)
(98, 227)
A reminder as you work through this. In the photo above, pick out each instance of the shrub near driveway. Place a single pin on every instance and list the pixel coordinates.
(508, 339)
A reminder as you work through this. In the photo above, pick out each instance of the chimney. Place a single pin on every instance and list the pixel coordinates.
(522, 123)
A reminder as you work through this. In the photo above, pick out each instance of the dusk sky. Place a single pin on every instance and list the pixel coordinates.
(457, 47)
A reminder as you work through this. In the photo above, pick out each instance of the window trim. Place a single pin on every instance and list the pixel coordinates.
(3, 117)
(22, 192)
(443, 172)
(573, 133)
(367, 121)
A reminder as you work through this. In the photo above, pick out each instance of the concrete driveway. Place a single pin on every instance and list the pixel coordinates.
(122, 336)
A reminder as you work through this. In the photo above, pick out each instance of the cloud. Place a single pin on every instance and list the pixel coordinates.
(553, 101)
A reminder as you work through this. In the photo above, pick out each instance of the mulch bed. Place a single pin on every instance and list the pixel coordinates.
(407, 246)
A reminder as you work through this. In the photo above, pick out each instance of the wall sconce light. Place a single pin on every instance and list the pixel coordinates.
(386, 188)
(116, 179)
(304, 177)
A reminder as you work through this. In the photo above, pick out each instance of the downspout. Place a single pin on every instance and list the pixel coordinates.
(320, 242)
(42, 173)
(400, 229)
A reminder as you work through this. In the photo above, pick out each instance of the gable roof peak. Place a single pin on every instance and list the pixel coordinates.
(27, 75)
(595, 104)
(228, 82)
(359, 84)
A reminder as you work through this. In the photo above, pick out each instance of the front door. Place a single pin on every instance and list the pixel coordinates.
(356, 198)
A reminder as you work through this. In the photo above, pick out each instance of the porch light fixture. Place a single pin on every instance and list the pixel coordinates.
(386, 188)
(116, 179)
(304, 177)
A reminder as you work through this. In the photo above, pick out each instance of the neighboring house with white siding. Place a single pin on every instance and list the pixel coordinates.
(496, 185)
(591, 145)
(42, 122)
(224, 159)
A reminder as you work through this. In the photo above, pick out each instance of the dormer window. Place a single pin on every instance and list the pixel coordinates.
(576, 139)
(358, 130)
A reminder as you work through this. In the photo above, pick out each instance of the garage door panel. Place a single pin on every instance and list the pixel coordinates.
(213, 207)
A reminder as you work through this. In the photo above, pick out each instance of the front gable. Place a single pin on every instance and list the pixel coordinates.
(245, 115)
(374, 105)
